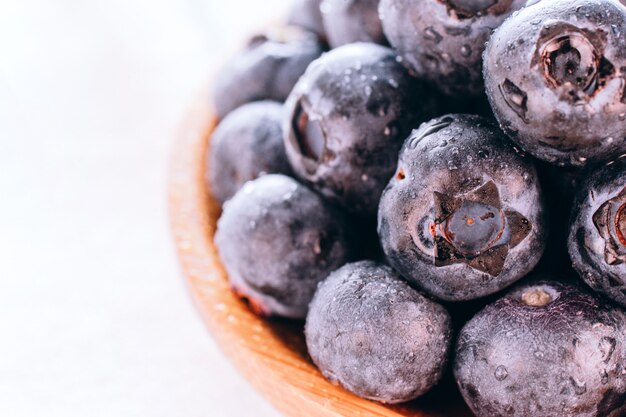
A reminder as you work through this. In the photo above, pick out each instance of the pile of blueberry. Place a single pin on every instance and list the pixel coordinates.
(388, 169)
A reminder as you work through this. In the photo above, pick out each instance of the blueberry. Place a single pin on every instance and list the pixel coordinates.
(597, 240)
(544, 349)
(346, 120)
(267, 68)
(277, 239)
(463, 216)
(376, 336)
(555, 76)
(349, 21)
(443, 40)
(307, 15)
(246, 144)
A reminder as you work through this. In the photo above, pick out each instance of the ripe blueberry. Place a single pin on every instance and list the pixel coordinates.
(246, 144)
(277, 239)
(597, 240)
(555, 74)
(544, 349)
(266, 69)
(372, 333)
(443, 40)
(346, 120)
(463, 216)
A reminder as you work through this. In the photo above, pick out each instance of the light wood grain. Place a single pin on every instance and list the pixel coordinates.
(271, 355)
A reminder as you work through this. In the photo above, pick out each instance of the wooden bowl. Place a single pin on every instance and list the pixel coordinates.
(270, 354)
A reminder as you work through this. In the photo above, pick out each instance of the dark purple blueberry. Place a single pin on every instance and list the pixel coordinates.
(246, 144)
(443, 40)
(376, 336)
(307, 15)
(349, 21)
(463, 216)
(544, 349)
(277, 239)
(267, 69)
(597, 239)
(347, 118)
(555, 74)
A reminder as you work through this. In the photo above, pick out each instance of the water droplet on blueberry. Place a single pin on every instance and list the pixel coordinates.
(501, 373)
(466, 50)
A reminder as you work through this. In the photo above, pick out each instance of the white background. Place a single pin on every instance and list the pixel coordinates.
(94, 317)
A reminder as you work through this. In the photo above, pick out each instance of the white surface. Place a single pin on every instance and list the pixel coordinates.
(94, 317)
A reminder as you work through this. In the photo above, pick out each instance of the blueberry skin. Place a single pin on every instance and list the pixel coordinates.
(555, 76)
(346, 120)
(349, 21)
(267, 69)
(246, 144)
(463, 217)
(521, 358)
(277, 239)
(443, 40)
(376, 336)
(307, 15)
(596, 241)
